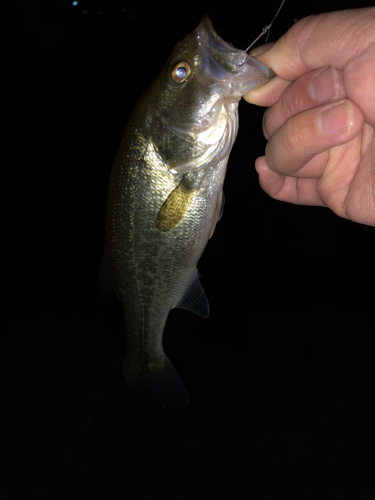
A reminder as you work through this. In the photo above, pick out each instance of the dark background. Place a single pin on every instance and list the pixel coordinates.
(282, 402)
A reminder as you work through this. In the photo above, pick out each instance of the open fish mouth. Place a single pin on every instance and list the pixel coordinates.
(223, 52)
(222, 62)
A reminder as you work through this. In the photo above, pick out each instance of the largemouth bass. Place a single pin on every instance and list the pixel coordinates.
(166, 195)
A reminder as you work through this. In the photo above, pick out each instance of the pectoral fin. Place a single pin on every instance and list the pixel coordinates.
(175, 207)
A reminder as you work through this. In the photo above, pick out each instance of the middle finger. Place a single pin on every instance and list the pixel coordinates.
(308, 91)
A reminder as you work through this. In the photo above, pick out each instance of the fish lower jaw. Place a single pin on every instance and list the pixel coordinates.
(230, 105)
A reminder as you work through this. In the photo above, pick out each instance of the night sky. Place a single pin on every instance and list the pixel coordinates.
(279, 375)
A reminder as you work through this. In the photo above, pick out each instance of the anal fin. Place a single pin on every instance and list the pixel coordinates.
(194, 298)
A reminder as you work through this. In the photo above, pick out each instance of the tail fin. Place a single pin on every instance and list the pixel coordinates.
(159, 381)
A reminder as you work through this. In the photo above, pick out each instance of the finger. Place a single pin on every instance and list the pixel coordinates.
(288, 189)
(304, 136)
(261, 49)
(309, 90)
(330, 39)
(267, 94)
(359, 77)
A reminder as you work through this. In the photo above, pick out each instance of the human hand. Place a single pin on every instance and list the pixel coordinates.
(320, 126)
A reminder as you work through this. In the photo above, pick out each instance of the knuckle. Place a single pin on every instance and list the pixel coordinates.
(291, 138)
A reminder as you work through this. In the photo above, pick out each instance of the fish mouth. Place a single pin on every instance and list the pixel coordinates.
(223, 62)
(207, 36)
(201, 126)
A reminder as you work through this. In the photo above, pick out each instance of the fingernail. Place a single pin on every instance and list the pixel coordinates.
(256, 52)
(262, 49)
(325, 85)
(336, 119)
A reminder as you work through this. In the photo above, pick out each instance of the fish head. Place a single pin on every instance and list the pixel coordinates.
(194, 120)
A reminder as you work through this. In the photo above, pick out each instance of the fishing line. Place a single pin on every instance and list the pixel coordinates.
(264, 31)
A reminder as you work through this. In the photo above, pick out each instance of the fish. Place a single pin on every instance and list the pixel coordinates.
(165, 197)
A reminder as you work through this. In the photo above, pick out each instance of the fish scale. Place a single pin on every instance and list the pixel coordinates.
(165, 197)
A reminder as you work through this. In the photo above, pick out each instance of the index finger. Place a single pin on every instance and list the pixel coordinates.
(329, 39)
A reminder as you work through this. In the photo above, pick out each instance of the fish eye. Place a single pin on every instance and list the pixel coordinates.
(181, 71)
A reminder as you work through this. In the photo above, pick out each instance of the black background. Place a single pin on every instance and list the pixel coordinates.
(282, 402)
